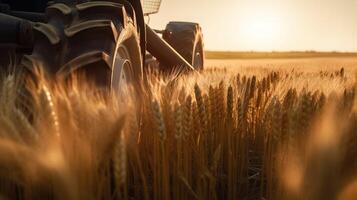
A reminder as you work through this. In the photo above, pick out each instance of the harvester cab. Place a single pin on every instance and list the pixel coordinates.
(150, 6)
(106, 40)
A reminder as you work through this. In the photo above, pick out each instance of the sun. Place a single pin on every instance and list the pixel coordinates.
(261, 30)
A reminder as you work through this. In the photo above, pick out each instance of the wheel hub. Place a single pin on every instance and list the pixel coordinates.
(198, 59)
(120, 83)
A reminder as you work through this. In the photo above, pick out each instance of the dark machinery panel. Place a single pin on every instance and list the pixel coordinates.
(26, 5)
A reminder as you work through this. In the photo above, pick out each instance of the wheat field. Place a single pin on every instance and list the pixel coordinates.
(243, 130)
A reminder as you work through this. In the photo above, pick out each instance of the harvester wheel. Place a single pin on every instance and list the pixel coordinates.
(187, 39)
(97, 38)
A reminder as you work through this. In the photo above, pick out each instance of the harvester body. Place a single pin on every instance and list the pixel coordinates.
(23, 23)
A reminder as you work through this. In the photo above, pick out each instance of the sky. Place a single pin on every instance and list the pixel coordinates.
(267, 25)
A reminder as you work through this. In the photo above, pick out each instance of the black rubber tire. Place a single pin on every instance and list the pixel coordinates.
(86, 37)
(187, 39)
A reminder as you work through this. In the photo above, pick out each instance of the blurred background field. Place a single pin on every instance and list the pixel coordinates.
(231, 55)
(314, 61)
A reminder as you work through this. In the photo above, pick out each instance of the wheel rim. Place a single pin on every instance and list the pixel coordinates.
(198, 57)
(121, 76)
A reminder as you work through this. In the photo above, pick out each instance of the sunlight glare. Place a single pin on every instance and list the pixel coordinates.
(262, 30)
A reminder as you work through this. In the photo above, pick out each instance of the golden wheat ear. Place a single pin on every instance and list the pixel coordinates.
(120, 164)
(187, 116)
(158, 119)
(178, 121)
(106, 145)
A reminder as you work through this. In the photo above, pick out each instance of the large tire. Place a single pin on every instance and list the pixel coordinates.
(187, 39)
(98, 38)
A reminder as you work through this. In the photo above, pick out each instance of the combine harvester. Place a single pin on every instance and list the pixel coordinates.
(107, 40)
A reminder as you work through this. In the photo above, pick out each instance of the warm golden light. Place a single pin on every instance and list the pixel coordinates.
(261, 29)
(268, 25)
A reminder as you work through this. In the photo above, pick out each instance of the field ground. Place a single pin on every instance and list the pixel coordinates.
(242, 129)
(276, 55)
(286, 63)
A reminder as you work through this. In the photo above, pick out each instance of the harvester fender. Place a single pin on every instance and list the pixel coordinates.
(169, 58)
